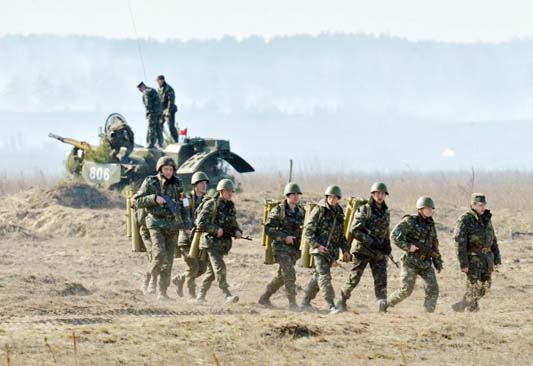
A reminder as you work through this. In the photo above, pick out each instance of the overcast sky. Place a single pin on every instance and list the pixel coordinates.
(445, 20)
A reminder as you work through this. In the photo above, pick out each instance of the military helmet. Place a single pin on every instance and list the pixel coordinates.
(425, 201)
(379, 187)
(479, 198)
(225, 185)
(165, 160)
(292, 188)
(141, 84)
(333, 190)
(199, 177)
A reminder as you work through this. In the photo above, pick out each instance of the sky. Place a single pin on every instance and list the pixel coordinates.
(463, 21)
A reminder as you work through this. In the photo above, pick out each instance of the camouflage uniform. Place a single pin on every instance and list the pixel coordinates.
(477, 250)
(216, 213)
(420, 231)
(371, 232)
(324, 228)
(168, 98)
(283, 222)
(162, 225)
(153, 107)
(120, 135)
(195, 266)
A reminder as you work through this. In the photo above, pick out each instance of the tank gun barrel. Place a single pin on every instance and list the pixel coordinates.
(82, 145)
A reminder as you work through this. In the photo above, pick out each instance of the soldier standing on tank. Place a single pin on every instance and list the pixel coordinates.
(217, 219)
(158, 193)
(417, 237)
(120, 135)
(477, 251)
(168, 101)
(152, 105)
(324, 231)
(371, 231)
(284, 225)
(195, 266)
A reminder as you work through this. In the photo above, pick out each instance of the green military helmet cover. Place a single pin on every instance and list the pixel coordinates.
(292, 188)
(479, 198)
(425, 201)
(225, 185)
(165, 160)
(333, 190)
(379, 187)
(199, 177)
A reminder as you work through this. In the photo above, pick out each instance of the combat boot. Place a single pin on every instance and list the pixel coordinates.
(306, 305)
(152, 286)
(146, 283)
(341, 304)
(192, 292)
(333, 309)
(382, 306)
(162, 295)
(178, 281)
(200, 299)
(293, 306)
(230, 299)
(264, 300)
(459, 306)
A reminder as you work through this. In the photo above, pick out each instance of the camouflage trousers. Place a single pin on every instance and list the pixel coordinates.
(286, 276)
(155, 130)
(478, 281)
(195, 268)
(145, 235)
(162, 255)
(408, 278)
(379, 272)
(321, 281)
(170, 120)
(216, 270)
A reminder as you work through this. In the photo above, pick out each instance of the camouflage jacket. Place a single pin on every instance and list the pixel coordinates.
(194, 202)
(151, 101)
(325, 228)
(283, 222)
(168, 98)
(158, 216)
(216, 213)
(120, 135)
(474, 234)
(421, 232)
(371, 230)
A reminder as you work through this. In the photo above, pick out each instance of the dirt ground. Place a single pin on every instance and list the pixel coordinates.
(69, 295)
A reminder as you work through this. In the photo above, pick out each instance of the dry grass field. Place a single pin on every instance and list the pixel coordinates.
(69, 286)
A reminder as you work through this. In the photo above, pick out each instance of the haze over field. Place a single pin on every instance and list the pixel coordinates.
(355, 99)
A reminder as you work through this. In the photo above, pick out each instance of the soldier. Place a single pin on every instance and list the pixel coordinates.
(324, 231)
(477, 251)
(159, 194)
(284, 226)
(120, 135)
(168, 98)
(417, 237)
(195, 266)
(371, 232)
(152, 104)
(217, 218)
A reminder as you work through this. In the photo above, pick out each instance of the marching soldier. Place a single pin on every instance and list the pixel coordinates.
(324, 231)
(284, 226)
(417, 237)
(477, 251)
(371, 232)
(166, 213)
(168, 98)
(195, 266)
(217, 218)
(152, 105)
